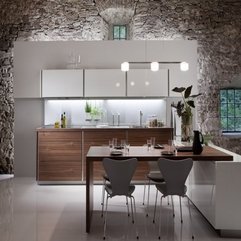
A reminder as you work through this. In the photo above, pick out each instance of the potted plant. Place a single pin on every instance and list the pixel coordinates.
(88, 110)
(184, 110)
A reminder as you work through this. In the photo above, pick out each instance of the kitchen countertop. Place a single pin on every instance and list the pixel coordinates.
(104, 127)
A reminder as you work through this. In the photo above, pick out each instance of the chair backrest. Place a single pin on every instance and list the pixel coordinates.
(120, 173)
(175, 173)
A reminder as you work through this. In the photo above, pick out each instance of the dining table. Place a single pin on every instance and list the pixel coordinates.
(142, 153)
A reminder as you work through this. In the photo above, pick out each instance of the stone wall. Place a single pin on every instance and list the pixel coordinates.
(215, 24)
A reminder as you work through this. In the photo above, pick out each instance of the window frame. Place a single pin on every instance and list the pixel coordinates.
(236, 127)
(119, 27)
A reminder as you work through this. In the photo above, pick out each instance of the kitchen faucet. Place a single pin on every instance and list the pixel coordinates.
(141, 115)
(113, 119)
(118, 119)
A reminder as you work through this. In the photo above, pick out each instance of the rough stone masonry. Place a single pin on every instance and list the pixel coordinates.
(215, 24)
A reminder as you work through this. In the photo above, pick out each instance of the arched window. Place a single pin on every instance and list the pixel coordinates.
(119, 32)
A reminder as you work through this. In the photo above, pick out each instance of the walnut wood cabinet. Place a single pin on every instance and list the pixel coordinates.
(59, 156)
(101, 137)
(61, 152)
(138, 137)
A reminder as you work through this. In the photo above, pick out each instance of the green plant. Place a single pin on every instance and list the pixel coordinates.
(184, 107)
(87, 107)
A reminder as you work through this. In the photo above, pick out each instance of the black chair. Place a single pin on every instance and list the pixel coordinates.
(120, 173)
(153, 177)
(175, 173)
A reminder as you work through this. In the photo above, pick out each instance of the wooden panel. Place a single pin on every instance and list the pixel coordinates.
(99, 138)
(59, 171)
(135, 137)
(61, 136)
(59, 156)
(138, 137)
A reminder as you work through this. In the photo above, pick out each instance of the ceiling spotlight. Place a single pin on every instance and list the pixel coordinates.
(184, 66)
(125, 66)
(154, 66)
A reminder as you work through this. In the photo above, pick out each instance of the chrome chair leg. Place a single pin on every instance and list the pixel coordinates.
(134, 203)
(180, 208)
(103, 198)
(159, 232)
(105, 220)
(154, 216)
(173, 213)
(148, 197)
(144, 194)
(190, 215)
(132, 216)
(127, 204)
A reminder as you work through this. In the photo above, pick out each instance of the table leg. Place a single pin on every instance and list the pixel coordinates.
(89, 193)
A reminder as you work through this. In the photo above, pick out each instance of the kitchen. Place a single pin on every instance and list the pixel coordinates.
(28, 91)
(35, 107)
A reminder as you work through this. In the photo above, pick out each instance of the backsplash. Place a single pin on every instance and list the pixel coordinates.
(128, 111)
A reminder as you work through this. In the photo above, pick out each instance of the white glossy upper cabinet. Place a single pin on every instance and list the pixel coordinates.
(105, 83)
(180, 78)
(144, 82)
(62, 83)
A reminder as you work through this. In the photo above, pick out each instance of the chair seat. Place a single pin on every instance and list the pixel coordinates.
(163, 189)
(155, 176)
(109, 190)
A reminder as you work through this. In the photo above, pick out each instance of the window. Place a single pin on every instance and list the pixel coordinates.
(119, 32)
(230, 110)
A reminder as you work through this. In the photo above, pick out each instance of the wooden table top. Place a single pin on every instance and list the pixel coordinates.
(97, 153)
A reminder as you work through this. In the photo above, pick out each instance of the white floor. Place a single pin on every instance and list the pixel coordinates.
(29, 212)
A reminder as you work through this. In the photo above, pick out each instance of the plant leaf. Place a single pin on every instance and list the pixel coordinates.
(179, 90)
(194, 96)
(187, 92)
(191, 103)
(179, 107)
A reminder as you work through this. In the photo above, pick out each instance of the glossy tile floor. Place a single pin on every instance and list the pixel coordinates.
(30, 212)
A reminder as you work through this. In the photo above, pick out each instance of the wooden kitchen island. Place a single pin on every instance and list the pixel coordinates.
(97, 153)
(61, 152)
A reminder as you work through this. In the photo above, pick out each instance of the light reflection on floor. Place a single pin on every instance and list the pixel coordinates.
(30, 212)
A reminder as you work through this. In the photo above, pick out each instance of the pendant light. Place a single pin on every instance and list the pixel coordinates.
(154, 66)
(184, 66)
(125, 66)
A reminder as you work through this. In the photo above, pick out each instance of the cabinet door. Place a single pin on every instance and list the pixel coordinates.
(138, 137)
(144, 82)
(105, 83)
(62, 83)
(98, 138)
(180, 78)
(59, 156)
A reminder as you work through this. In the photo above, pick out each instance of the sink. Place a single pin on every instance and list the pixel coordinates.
(119, 127)
(137, 126)
(114, 127)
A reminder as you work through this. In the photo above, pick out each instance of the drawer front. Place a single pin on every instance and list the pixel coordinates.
(99, 138)
(59, 156)
(59, 171)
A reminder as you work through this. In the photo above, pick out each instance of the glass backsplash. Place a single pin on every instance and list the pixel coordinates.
(105, 111)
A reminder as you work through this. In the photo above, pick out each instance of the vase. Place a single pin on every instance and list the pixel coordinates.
(88, 116)
(186, 126)
(197, 147)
